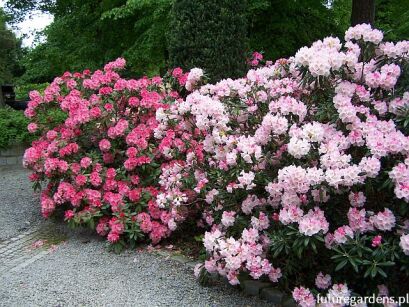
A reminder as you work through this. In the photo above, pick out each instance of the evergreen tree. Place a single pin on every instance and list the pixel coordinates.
(281, 27)
(210, 34)
(392, 16)
(10, 52)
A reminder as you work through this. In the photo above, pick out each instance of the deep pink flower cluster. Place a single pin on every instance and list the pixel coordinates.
(102, 163)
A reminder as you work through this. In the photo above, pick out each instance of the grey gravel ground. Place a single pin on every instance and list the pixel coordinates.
(19, 206)
(81, 271)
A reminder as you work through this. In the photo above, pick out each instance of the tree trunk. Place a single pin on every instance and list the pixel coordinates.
(363, 11)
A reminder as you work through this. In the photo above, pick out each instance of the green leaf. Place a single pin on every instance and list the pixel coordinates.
(367, 272)
(382, 272)
(306, 241)
(374, 271)
(337, 256)
(354, 264)
(341, 265)
(387, 263)
(314, 247)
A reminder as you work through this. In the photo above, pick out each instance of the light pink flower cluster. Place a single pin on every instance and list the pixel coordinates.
(323, 281)
(400, 176)
(404, 244)
(323, 57)
(302, 145)
(194, 76)
(364, 32)
(230, 256)
(313, 222)
(304, 297)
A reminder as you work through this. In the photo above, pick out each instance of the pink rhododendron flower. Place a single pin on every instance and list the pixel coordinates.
(32, 127)
(323, 281)
(275, 274)
(404, 243)
(303, 297)
(69, 214)
(228, 218)
(313, 222)
(384, 220)
(113, 237)
(376, 241)
(342, 234)
(104, 145)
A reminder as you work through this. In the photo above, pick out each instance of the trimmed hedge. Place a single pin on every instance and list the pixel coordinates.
(211, 35)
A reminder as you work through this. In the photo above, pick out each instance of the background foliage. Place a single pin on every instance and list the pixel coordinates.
(150, 35)
(392, 16)
(10, 52)
(22, 90)
(279, 28)
(154, 35)
(13, 127)
(209, 34)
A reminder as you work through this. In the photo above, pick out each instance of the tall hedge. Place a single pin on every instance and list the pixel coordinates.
(210, 34)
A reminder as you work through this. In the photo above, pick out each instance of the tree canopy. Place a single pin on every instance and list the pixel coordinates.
(88, 33)
(10, 52)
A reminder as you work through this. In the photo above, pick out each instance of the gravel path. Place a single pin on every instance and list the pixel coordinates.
(81, 271)
(19, 206)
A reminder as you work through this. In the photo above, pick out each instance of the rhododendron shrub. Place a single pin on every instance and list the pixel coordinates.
(306, 178)
(299, 171)
(107, 160)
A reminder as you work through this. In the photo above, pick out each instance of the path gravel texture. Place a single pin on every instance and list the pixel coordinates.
(80, 271)
(19, 206)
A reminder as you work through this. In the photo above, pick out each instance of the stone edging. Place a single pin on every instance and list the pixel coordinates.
(12, 155)
(250, 287)
(18, 252)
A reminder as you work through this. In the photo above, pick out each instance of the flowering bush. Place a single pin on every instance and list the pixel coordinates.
(307, 169)
(300, 170)
(105, 158)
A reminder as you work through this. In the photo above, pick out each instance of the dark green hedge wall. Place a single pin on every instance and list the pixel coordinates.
(210, 34)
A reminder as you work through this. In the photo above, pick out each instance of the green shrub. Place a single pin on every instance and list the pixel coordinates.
(209, 34)
(13, 127)
(280, 27)
(22, 90)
